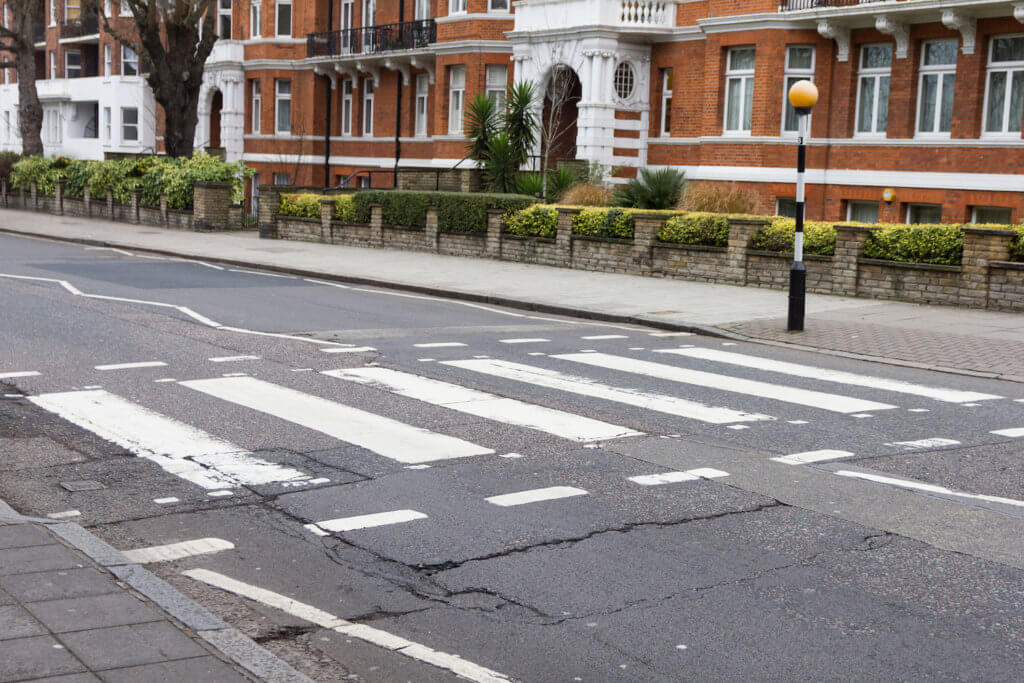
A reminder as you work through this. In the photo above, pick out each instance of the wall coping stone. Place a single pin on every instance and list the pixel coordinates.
(213, 185)
(527, 238)
(692, 247)
(854, 228)
(753, 220)
(1006, 265)
(608, 240)
(788, 256)
(989, 231)
(461, 232)
(301, 219)
(941, 267)
(405, 228)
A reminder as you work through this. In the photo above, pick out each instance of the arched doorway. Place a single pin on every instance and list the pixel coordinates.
(559, 118)
(216, 105)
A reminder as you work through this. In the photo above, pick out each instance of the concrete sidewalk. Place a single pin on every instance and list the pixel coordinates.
(985, 343)
(73, 607)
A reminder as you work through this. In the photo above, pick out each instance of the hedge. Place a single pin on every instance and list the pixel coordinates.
(535, 221)
(941, 244)
(819, 237)
(307, 205)
(456, 211)
(706, 229)
(604, 222)
(541, 220)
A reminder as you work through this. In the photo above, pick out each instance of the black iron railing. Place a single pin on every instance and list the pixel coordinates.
(86, 26)
(792, 5)
(407, 35)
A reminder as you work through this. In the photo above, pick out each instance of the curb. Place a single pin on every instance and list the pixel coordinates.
(231, 643)
(535, 306)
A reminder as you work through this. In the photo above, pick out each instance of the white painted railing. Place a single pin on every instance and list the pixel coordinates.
(646, 13)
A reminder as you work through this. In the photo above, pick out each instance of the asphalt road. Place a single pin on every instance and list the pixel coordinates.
(401, 487)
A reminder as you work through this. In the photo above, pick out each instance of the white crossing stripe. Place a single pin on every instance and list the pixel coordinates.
(925, 443)
(837, 376)
(449, 662)
(178, 448)
(930, 488)
(670, 334)
(232, 359)
(804, 397)
(811, 456)
(583, 386)
(350, 349)
(708, 473)
(382, 435)
(132, 366)
(67, 514)
(676, 477)
(13, 375)
(166, 501)
(536, 495)
(368, 521)
(483, 404)
(1014, 433)
(178, 551)
(600, 337)
(525, 340)
(438, 345)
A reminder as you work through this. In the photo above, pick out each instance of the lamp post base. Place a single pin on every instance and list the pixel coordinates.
(797, 296)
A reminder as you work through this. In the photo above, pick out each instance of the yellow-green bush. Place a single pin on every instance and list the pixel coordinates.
(539, 220)
(941, 244)
(707, 229)
(819, 237)
(604, 222)
(301, 205)
(344, 208)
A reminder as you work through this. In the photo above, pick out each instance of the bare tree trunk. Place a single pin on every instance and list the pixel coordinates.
(18, 41)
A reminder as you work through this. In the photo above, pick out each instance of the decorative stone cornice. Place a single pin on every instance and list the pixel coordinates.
(425, 64)
(967, 26)
(1018, 12)
(888, 25)
(840, 34)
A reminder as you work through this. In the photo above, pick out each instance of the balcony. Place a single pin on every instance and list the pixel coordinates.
(372, 40)
(796, 5)
(78, 28)
(633, 18)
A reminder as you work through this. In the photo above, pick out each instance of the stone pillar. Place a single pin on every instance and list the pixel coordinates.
(433, 230)
(741, 230)
(563, 235)
(981, 247)
(211, 206)
(136, 196)
(266, 209)
(3, 192)
(644, 235)
(34, 194)
(163, 209)
(326, 216)
(849, 247)
(495, 219)
(58, 196)
(376, 225)
(87, 199)
(110, 205)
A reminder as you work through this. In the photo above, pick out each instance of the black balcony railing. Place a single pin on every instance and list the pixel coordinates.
(792, 5)
(86, 26)
(407, 35)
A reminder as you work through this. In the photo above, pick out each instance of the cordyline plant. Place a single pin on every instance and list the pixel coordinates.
(500, 141)
(17, 50)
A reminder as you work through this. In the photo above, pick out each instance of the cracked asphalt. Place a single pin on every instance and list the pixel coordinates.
(756, 570)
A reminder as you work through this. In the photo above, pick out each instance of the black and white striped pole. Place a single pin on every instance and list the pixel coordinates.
(802, 95)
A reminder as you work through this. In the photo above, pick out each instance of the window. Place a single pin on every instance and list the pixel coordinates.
(422, 9)
(126, 11)
(497, 79)
(257, 106)
(456, 7)
(456, 97)
(369, 12)
(53, 12)
(72, 10)
(346, 107)
(666, 101)
(224, 19)
(254, 201)
(129, 124)
(7, 126)
(995, 215)
(862, 212)
(625, 81)
(1004, 93)
(799, 67)
(935, 89)
(72, 64)
(367, 106)
(284, 18)
(53, 64)
(51, 120)
(421, 105)
(739, 89)
(255, 18)
(282, 179)
(106, 7)
(498, 5)
(785, 206)
(107, 123)
(347, 15)
(129, 62)
(283, 106)
(924, 213)
(108, 67)
(873, 89)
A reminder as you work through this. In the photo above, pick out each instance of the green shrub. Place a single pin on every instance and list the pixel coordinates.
(707, 229)
(456, 211)
(305, 205)
(76, 177)
(344, 209)
(7, 161)
(602, 222)
(112, 176)
(531, 184)
(536, 221)
(819, 238)
(942, 244)
(659, 189)
(37, 170)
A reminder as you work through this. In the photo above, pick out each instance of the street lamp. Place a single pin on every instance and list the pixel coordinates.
(803, 95)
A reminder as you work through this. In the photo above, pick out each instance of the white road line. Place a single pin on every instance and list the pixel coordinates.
(220, 494)
(442, 660)
(670, 334)
(827, 375)
(708, 473)
(483, 404)
(1014, 433)
(536, 495)
(525, 340)
(925, 443)
(663, 478)
(583, 386)
(178, 448)
(257, 272)
(164, 380)
(930, 488)
(804, 397)
(600, 337)
(385, 436)
(132, 366)
(811, 456)
(231, 359)
(68, 514)
(368, 521)
(166, 501)
(352, 349)
(178, 551)
(13, 375)
(326, 284)
(438, 345)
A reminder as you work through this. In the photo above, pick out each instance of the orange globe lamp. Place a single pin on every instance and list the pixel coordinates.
(803, 95)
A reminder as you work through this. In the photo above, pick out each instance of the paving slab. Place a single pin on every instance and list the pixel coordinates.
(28, 658)
(94, 611)
(40, 558)
(205, 669)
(15, 622)
(57, 585)
(124, 646)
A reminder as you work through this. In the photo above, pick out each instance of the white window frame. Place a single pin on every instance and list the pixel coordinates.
(421, 105)
(282, 178)
(108, 61)
(974, 212)
(257, 106)
(493, 89)
(456, 99)
(422, 10)
(279, 4)
(876, 74)
(279, 98)
(108, 124)
(67, 63)
(1009, 68)
(124, 10)
(53, 12)
(125, 126)
(667, 75)
(68, 6)
(225, 13)
(742, 76)
(128, 56)
(778, 205)
(492, 8)
(255, 18)
(347, 88)
(940, 71)
(53, 64)
(911, 206)
(799, 73)
(851, 202)
(456, 7)
(367, 113)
